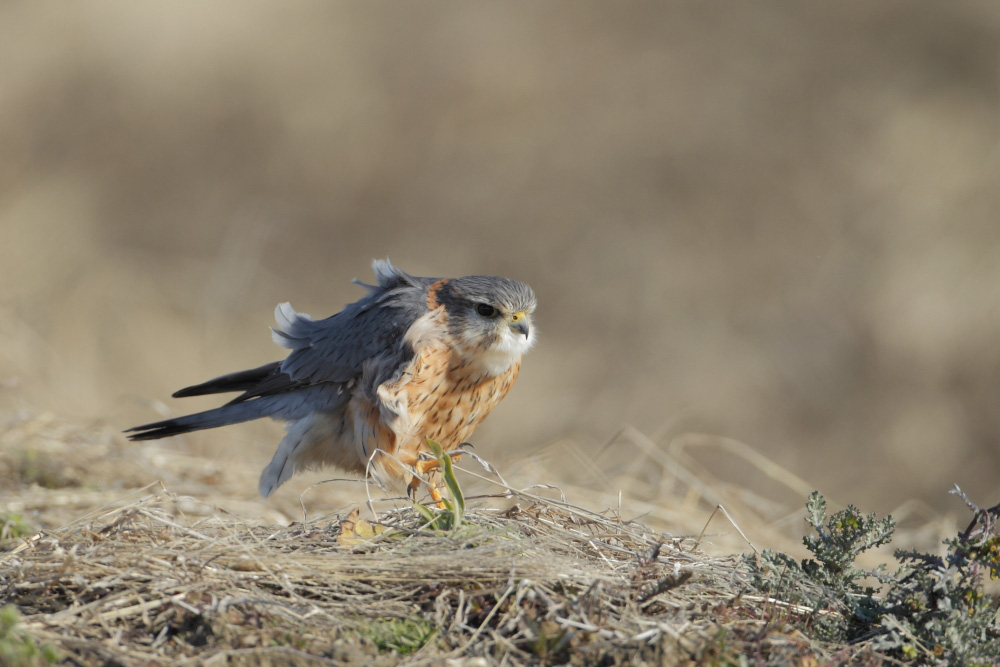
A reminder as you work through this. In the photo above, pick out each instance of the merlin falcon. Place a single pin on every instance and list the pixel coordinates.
(363, 390)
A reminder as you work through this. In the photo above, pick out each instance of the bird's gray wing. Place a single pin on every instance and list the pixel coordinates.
(367, 335)
(336, 348)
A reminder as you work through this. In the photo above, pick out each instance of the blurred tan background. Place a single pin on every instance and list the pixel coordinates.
(776, 222)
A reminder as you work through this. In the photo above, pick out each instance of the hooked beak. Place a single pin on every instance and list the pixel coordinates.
(519, 324)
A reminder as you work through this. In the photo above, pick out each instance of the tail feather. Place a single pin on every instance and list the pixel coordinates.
(224, 416)
(239, 381)
(285, 406)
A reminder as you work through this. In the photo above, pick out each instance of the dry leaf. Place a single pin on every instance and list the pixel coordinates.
(354, 530)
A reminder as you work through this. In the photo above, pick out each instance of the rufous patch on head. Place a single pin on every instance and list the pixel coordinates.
(432, 293)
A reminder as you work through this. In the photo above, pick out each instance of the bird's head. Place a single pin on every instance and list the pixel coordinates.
(490, 318)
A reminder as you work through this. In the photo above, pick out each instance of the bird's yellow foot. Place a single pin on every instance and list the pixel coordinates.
(415, 483)
(425, 466)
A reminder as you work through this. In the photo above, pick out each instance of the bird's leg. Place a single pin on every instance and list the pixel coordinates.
(430, 465)
(415, 483)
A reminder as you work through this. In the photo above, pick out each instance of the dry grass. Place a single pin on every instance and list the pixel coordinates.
(141, 584)
(147, 574)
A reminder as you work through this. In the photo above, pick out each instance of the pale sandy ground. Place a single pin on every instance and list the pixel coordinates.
(776, 223)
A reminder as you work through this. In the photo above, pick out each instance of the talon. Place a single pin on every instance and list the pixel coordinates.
(436, 497)
(426, 464)
(411, 491)
(429, 464)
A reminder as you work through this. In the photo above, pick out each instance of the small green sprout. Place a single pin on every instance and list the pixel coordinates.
(449, 517)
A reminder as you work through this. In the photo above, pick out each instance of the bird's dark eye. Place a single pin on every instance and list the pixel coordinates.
(486, 310)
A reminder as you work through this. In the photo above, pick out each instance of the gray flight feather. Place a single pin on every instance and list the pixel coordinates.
(334, 349)
(287, 406)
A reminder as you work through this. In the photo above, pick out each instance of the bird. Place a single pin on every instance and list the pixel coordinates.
(363, 390)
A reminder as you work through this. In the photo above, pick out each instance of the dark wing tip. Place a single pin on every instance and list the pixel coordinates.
(156, 430)
(239, 381)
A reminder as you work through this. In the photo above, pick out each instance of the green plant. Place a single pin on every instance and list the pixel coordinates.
(18, 649)
(12, 526)
(830, 581)
(933, 609)
(936, 609)
(400, 635)
(448, 517)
